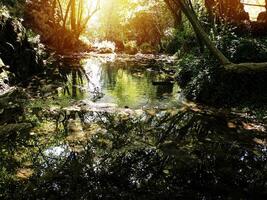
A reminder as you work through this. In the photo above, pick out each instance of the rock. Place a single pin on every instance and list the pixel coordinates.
(16, 50)
(3, 79)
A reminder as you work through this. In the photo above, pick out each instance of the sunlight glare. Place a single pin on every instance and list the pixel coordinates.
(90, 5)
(253, 10)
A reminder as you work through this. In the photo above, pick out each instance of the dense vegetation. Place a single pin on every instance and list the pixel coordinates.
(133, 99)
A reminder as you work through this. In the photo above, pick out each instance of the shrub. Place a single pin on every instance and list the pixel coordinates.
(131, 47)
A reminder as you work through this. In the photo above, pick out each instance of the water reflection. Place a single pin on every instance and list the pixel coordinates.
(192, 152)
(122, 83)
(75, 79)
(186, 154)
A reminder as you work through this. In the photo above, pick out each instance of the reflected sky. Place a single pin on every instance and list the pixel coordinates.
(122, 83)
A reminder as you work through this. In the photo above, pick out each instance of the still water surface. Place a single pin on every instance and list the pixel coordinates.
(123, 82)
(187, 152)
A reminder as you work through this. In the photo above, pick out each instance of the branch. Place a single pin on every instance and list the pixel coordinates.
(246, 67)
(61, 10)
(89, 17)
(66, 14)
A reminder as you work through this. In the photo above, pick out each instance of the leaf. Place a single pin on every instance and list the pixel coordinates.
(231, 125)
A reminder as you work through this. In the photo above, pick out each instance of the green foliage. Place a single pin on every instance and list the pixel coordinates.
(147, 48)
(16, 7)
(203, 80)
(181, 41)
(123, 21)
(12, 2)
(131, 47)
(239, 48)
(197, 77)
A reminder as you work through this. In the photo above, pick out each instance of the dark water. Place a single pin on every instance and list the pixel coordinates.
(122, 82)
(187, 152)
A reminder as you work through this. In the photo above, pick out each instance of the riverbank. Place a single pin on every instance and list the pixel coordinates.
(203, 80)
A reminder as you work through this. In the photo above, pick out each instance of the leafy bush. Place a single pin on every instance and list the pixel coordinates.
(131, 47)
(180, 41)
(203, 80)
(15, 6)
(239, 48)
(147, 48)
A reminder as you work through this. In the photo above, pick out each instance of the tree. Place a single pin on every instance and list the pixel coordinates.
(176, 12)
(225, 62)
(78, 16)
(226, 10)
(61, 22)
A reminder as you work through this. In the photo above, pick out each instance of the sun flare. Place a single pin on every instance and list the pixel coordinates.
(254, 8)
(90, 5)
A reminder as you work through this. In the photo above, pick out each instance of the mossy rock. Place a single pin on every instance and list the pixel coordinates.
(16, 50)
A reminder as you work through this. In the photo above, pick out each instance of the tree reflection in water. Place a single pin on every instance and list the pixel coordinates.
(125, 84)
(75, 78)
(186, 154)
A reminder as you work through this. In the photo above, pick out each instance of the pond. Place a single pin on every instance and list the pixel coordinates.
(127, 81)
(150, 146)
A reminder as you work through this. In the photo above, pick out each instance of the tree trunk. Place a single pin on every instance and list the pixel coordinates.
(227, 64)
(73, 15)
(201, 33)
(176, 13)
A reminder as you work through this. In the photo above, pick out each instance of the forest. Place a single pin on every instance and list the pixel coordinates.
(133, 99)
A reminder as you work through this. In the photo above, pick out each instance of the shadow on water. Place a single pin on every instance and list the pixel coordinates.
(122, 83)
(184, 154)
(191, 152)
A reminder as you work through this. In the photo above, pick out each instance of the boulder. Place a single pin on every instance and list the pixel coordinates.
(16, 50)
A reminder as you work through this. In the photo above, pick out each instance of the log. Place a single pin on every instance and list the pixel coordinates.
(246, 67)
